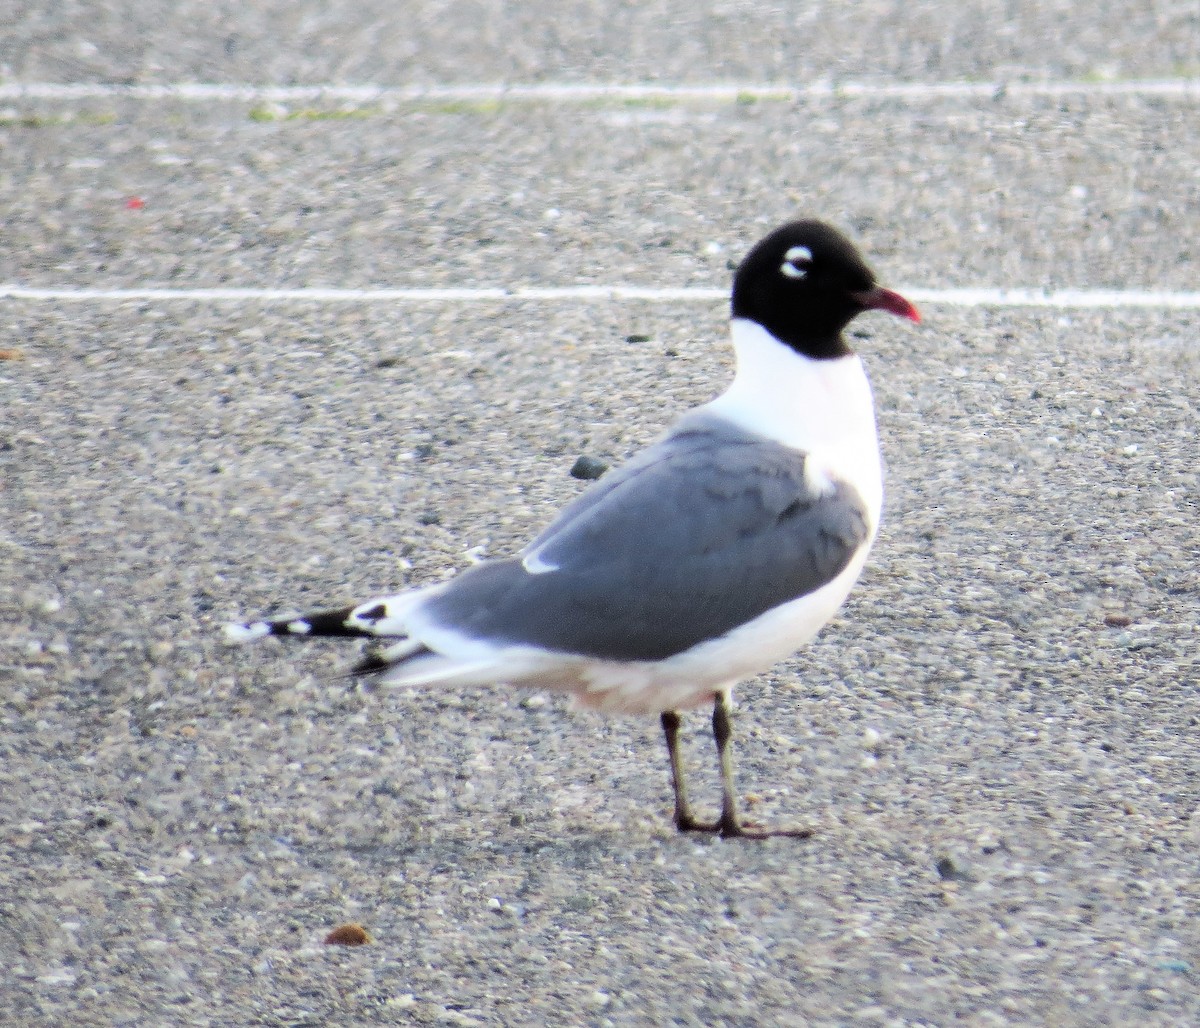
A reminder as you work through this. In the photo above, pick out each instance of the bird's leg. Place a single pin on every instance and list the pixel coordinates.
(722, 726)
(729, 824)
(685, 821)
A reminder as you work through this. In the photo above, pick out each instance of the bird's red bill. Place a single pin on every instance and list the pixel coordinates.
(880, 299)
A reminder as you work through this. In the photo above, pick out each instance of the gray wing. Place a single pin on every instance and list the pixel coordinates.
(700, 533)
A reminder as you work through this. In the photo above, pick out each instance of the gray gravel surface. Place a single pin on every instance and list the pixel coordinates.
(437, 41)
(995, 741)
(1081, 191)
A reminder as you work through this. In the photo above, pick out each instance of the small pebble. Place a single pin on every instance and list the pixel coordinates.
(588, 468)
(349, 934)
(951, 870)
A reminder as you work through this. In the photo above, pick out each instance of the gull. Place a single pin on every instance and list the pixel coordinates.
(711, 555)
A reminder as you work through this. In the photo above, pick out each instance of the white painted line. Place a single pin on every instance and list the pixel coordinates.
(1063, 298)
(381, 295)
(982, 297)
(582, 92)
(205, 295)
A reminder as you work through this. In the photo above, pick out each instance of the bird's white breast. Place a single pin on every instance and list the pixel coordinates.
(823, 408)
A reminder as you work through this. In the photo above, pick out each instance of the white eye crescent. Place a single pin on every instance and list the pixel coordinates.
(792, 261)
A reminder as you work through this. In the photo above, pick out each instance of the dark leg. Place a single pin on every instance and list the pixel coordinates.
(730, 826)
(685, 821)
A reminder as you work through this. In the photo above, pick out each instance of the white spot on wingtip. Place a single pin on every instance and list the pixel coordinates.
(235, 635)
(534, 564)
(299, 627)
(817, 478)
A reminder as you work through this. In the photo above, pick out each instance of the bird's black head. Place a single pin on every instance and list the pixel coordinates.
(804, 283)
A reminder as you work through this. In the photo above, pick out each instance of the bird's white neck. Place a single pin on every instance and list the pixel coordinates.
(822, 407)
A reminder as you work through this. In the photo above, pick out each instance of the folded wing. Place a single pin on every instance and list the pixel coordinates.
(701, 533)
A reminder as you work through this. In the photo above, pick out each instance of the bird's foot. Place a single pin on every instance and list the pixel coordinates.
(738, 830)
(687, 823)
(733, 828)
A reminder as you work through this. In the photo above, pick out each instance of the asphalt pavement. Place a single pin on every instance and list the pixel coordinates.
(994, 742)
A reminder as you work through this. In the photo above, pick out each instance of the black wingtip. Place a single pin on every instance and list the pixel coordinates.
(319, 624)
(327, 623)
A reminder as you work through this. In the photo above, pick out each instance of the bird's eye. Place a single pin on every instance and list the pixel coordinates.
(796, 261)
